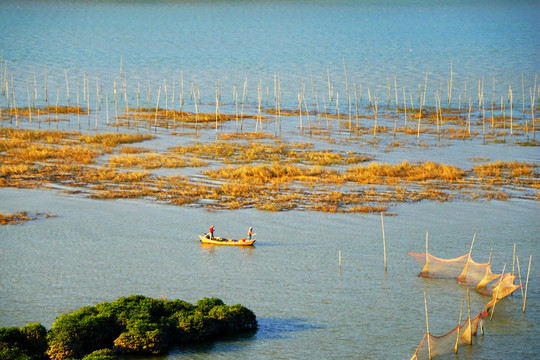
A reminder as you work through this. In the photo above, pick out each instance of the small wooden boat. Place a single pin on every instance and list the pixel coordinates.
(205, 239)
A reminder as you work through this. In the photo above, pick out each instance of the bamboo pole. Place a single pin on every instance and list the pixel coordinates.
(115, 104)
(235, 95)
(497, 294)
(88, 100)
(259, 98)
(527, 283)
(196, 108)
(29, 107)
(458, 328)
(511, 110)
(514, 260)
(356, 105)
(67, 86)
(395, 90)
(300, 110)
(532, 95)
(166, 97)
(78, 108)
(46, 93)
(519, 273)
(388, 87)
(405, 107)
(279, 102)
(56, 107)
(384, 241)
(523, 94)
(243, 101)
(504, 118)
(339, 255)
(450, 87)
(348, 97)
(376, 108)
(326, 116)
(34, 99)
(469, 308)
(127, 110)
(307, 113)
(427, 326)
(426, 264)
(97, 103)
(17, 114)
(217, 109)
(138, 95)
(425, 89)
(329, 89)
(157, 107)
(419, 119)
(173, 108)
(107, 107)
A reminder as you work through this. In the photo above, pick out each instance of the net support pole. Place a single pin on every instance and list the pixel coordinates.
(458, 327)
(469, 307)
(497, 294)
(427, 326)
(384, 241)
(527, 283)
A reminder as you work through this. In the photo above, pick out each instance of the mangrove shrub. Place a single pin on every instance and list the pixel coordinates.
(129, 325)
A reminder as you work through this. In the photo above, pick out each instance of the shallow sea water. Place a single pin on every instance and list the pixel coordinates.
(307, 307)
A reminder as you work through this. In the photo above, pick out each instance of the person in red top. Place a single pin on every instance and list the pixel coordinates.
(250, 233)
(211, 231)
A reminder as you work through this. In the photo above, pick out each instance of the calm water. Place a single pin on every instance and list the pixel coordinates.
(96, 251)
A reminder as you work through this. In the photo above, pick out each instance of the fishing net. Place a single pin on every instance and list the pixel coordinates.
(500, 289)
(435, 267)
(477, 275)
(466, 272)
(448, 343)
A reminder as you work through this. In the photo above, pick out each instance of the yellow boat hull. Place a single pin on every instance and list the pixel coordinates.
(230, 242)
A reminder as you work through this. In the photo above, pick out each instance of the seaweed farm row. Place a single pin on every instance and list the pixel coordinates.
(333, 103)
(271, 175)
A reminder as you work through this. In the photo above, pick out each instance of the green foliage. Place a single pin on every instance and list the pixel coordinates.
(81, 332)
(129, 325)
(28, 342)
(205, 304)
(103, 354)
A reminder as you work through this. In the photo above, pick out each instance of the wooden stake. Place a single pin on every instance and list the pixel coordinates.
(78, 108)
(458, 328)
(469, 307)
(29, 108)
(115, 104)
(67, 87)
(107, 106)
(514, 260)
(427, 326)
(519, 273)
(426, 264)
(527, 283)
(46, 94)
(511, 110)
(157, 107)
(384, 241)
(497, 294)
(339, 259)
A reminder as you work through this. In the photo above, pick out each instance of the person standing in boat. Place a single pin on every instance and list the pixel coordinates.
(212, 232)
(250, 233)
